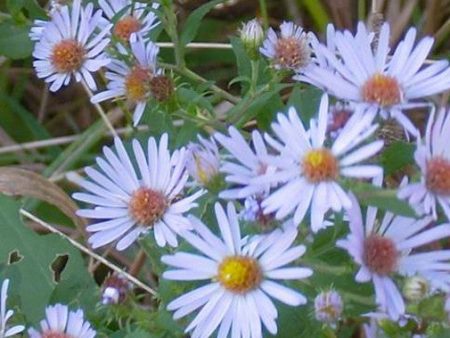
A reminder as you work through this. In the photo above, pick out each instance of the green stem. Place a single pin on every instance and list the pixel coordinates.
(195, 77)
(264, 15)
(255, 73)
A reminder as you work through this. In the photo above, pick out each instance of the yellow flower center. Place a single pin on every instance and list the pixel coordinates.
(125, 27)
(381, 89)
(438, 176)
(67, 56)
(239, 274)
(147, 206)
(137, 84)
(320, 165)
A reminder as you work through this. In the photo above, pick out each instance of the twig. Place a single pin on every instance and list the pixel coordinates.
(197, 45)
(59, 140)
(92, 254)
(100, 110)
(138, 263)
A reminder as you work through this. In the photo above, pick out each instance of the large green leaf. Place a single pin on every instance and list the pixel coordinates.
(37, 254)
(14, 40)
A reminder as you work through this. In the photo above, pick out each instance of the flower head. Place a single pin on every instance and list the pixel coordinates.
(309, 171)
(130, 203)
(384, 249)
(129, 17)
(328, 306)
(7, 314)
(203, 160)
(115, 289)
(60, 322)
(288, 50)
(240, 275)
(245, 163)
(132, 81)
(70, 44)
(252, 36)
(432, 155)
(357, 73)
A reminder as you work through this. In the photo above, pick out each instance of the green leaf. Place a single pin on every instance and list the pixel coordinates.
(384, 199)
(306, 100)
(37, 256)
(193, 21)
(317, 12)
(396, 156)
(14, 40)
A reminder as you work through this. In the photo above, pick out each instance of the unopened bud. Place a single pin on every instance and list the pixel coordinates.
(328, 306)
(252, 36)
(161, 87)
(415, 288)
(115, 290)
(203, 161)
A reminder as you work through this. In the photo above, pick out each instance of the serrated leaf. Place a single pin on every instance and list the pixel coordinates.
(36, 282)
(14, 40)
(193, 21)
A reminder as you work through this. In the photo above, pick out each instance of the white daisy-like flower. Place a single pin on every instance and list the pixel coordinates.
(62, 323)
(290, 50)
(372, 78)
(246, 163)
(433, 158)
(203, 160)
(7, 314)
(240, 275)
(128, 17)
(309, 171)
(385, 248)
(133, 82)
(71, 45)
(129, 204)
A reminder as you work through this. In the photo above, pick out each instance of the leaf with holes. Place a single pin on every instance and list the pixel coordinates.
(40, 260)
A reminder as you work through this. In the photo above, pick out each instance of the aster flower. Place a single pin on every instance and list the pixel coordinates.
(133, 82)
(328, 306)
(372, 79)
(245, 163)
(432, 155)
(290, 49)
(309, 171)
(241, 278)
(386, 248)
(203, 160)
(61, 322)
(129, 17)
(71, 45)
(7, 314)
(128, 205)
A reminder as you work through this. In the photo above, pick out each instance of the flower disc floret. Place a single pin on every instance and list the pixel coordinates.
(320, 165)
(137, 84)
(147, 206)
(126, 26)
(239, 274)
(292, 53)
(380, 254)
(67, 56)
(438, 176)
(382, 89)
(53, 334)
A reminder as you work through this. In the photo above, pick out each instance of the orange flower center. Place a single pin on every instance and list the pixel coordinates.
(291, 53)
(320, 165)
(239, 274)
(137, 84)
(380, 254)
(67, 56)
(54, 334)
(147, 206)
(381, 89)
(438, 176)
(125, 27)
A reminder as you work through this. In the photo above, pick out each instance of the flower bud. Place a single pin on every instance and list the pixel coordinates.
(203, 161)
(161, 87)
(252, 36)
(328, 306)
(115, 289)
(415, 288)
